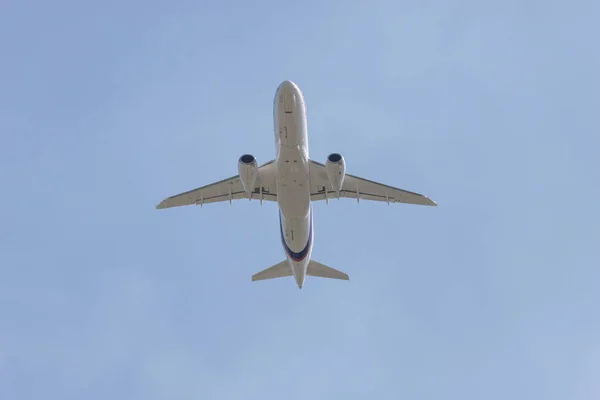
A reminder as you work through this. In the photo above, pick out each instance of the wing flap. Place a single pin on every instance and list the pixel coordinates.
(355, 187)
(227, 190)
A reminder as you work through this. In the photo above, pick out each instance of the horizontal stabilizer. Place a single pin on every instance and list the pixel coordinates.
(276, 271)
(323, 271)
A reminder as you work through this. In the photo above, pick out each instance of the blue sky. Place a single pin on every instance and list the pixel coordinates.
(486, 107)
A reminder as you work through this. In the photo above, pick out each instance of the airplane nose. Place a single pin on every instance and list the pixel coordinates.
(288, 86)
(289, 92)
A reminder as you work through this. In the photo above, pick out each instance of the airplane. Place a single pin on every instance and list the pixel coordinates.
(294, 181)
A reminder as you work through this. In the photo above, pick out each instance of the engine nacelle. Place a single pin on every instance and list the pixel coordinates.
(336, 170)
(248, 170)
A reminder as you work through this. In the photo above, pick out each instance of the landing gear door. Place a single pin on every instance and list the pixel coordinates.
(289, 102)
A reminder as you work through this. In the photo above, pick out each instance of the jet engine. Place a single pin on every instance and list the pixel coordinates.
(336, 170)
(248, 171)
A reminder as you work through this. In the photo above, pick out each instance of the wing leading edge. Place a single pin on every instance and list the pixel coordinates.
(358, 188)
(228, 190)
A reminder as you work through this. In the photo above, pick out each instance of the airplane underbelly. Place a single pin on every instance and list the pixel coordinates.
(296, 234)
(293, 188)
(290, 131)
(290, 121)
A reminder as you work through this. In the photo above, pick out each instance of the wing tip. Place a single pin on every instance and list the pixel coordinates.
(161, 205)
(431, 202)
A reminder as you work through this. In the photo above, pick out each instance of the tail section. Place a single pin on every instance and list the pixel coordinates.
(276, 271)
(314, 268)
(317, 269)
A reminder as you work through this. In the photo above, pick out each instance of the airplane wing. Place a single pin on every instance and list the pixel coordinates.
(358, 188)
(227, 190)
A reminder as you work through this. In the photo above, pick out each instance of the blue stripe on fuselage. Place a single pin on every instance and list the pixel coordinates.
(302, 254)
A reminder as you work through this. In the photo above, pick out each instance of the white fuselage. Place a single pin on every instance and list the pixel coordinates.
(293, 188)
